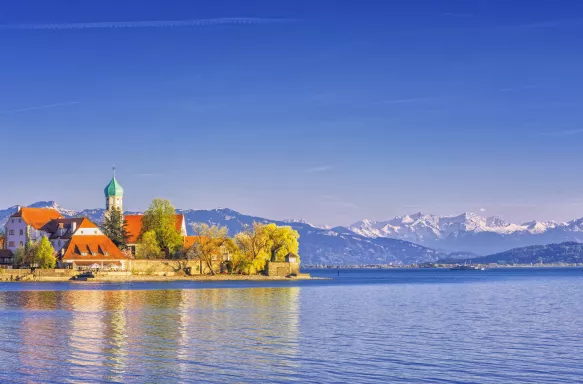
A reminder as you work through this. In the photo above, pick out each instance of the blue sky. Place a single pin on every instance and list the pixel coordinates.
(331, 111)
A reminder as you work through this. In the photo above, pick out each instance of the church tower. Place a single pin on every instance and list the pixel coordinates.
(113, 195)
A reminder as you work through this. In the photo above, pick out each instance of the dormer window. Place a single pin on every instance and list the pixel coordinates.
(83, 253)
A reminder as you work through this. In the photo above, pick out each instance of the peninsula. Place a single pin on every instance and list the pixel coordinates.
(41, 244)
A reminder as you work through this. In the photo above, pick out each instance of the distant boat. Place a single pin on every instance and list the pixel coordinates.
(468, 268)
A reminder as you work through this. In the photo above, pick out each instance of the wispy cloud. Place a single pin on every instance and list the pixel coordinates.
(558, 23)
(335, 201)
(145, 24)
(403, 101)
(563, 133)
(513, 89)
(321, 168)
(35, 108)
(461, 15)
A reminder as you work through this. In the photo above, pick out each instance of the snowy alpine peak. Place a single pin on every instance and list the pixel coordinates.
(53, 205)
(422, 227)
(302, 221)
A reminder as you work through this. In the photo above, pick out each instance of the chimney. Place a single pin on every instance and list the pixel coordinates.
(73, 226)
(18, 208)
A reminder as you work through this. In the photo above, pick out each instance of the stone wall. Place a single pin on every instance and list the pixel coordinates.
(281, 269)
(25, 274)
(157, 267)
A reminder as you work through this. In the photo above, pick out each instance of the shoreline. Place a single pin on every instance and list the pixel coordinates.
(162, 279)
(442, 266)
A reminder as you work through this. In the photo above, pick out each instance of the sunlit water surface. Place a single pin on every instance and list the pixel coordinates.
(433, 326)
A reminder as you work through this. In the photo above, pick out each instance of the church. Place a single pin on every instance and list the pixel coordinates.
(114, 195)
(78, 242)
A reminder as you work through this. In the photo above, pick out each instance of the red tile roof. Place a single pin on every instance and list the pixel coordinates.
(82, 222)
(189, 241)
(92, 247)
(134, 226)
(37, 217)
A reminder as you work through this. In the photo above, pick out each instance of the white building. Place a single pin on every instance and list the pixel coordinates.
(27, 224)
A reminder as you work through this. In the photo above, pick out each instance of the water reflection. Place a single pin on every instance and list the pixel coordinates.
(154, 336)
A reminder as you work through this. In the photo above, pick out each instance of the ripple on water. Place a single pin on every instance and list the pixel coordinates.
(486, 331)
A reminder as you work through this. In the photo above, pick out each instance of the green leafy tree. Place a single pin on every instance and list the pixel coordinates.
(148, 247)
(26, 255)
(160, 218)
(41, 254)
(45, 254)
(281, 241)
(20, 256)
(115, 227)
(253, 247)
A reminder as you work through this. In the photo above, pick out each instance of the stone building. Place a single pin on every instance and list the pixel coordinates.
(289, 267)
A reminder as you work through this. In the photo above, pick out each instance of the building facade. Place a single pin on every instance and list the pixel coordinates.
(78, 242)
(28, 224)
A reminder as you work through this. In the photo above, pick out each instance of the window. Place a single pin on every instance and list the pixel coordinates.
(13, 220)
(83, 253)
(11, 243)
(21, 243)
(20, 220)
(21, 232)
(11, 232)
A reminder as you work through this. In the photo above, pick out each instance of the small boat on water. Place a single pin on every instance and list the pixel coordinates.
(86, 276)
(468, 268)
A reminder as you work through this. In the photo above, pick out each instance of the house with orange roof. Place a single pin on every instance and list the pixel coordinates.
(134, 229)
(27, 224)
(78, 242)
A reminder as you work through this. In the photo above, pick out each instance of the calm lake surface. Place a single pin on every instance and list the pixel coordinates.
(410, 326)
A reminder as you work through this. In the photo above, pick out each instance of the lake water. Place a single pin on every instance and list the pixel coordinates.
(409, 326)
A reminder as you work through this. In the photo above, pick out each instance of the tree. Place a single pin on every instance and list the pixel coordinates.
(26, 255)
(253, 245)
(41, 254)
(160, 218)
(148, 247)
(211, 244)
(20, 256)
(114, 227)
(281, 241)
(45, 254)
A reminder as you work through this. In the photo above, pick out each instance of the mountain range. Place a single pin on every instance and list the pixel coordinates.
(469, 232)
(401, 240)
(330, 246)
(568, 252)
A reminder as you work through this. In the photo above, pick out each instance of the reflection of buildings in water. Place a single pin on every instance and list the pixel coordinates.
(116, 334)
(254, 326)
(160, 335)
(155, 320)
(40, 332)
(85, 335)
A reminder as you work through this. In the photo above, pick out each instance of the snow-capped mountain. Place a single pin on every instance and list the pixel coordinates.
(469, 232)
(332, 246)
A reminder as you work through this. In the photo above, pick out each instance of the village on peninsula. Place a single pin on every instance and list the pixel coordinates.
(40, 244)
